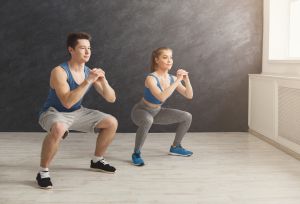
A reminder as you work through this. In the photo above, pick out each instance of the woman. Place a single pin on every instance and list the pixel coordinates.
(159, 86)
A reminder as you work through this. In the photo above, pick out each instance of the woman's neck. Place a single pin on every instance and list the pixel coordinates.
(162, 73)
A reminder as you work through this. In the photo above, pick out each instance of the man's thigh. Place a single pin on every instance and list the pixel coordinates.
(87, 119)
(51, 116)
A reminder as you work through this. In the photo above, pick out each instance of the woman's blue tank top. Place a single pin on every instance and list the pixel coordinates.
(148, 96)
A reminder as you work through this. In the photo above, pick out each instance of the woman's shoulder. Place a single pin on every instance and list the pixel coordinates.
(151, 78)
(151, 75)
(172, 76)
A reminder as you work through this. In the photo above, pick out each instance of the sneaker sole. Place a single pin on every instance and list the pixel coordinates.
(44, 188)
(101, 170)
(175, 154)
(138, 164)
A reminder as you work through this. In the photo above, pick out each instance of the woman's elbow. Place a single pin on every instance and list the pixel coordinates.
(161, 99)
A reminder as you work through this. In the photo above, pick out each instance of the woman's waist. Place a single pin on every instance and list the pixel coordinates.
(149, 104)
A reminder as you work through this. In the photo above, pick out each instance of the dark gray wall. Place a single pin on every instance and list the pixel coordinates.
(218, 41)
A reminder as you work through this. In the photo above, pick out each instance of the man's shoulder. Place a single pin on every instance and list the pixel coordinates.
(58, 70)
(61, 66)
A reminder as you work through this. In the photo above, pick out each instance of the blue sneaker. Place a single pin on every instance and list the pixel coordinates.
(180, 151)
(137, 159)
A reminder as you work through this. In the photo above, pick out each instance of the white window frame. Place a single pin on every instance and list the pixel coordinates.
(279, 32)
(297, 56)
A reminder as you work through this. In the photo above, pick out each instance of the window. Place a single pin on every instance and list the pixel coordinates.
(284, 30)
(294, 41)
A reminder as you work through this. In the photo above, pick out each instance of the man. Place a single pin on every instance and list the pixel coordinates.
(63, 111)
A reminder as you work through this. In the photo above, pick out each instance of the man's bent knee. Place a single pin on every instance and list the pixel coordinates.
(108, 122)
(112, 122)
(58, 130)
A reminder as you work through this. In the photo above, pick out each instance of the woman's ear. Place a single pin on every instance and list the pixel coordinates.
(156, 60)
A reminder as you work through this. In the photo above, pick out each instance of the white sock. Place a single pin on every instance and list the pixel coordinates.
(43, 169)
(96, 159)
(44, 172)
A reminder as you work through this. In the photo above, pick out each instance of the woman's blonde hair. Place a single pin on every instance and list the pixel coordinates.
(155, 54)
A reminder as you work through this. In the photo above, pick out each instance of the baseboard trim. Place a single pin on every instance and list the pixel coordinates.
(275, 144)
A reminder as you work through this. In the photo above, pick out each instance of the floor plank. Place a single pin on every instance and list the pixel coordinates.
(225, 168)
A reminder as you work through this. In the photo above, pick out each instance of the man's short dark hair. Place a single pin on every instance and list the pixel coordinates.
(73, 37)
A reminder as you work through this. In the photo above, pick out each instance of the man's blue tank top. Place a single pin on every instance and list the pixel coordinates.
(53, 100)
(148, 96)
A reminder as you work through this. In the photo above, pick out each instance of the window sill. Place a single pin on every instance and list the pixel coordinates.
(285, 61)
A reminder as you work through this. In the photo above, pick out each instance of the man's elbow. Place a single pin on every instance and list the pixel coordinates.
(67, 105)
(190, 97)
(111, 99)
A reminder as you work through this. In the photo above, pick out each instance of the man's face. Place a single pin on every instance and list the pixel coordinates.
(82, 51)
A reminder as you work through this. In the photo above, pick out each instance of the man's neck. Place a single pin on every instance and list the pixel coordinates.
(75, 66)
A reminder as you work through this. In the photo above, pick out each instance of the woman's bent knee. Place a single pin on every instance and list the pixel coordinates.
(188, 116)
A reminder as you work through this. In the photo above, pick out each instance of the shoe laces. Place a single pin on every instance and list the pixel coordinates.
(179, 146)
(137, 154)
(103, 161)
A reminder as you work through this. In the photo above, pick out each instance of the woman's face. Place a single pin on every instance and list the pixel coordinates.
(164, 60)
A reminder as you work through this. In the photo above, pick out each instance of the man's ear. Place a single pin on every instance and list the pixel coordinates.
(70, 49)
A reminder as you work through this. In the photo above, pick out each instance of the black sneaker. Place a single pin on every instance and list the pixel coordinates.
(44, 183)
(102, 165)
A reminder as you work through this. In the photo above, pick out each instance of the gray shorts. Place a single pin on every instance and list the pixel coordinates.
(83, 119)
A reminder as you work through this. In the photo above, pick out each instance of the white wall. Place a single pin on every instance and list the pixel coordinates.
(278, 71)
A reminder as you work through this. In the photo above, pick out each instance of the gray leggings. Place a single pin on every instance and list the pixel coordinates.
(144, 116)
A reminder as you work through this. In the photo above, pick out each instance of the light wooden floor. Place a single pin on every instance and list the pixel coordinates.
(235, 168)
